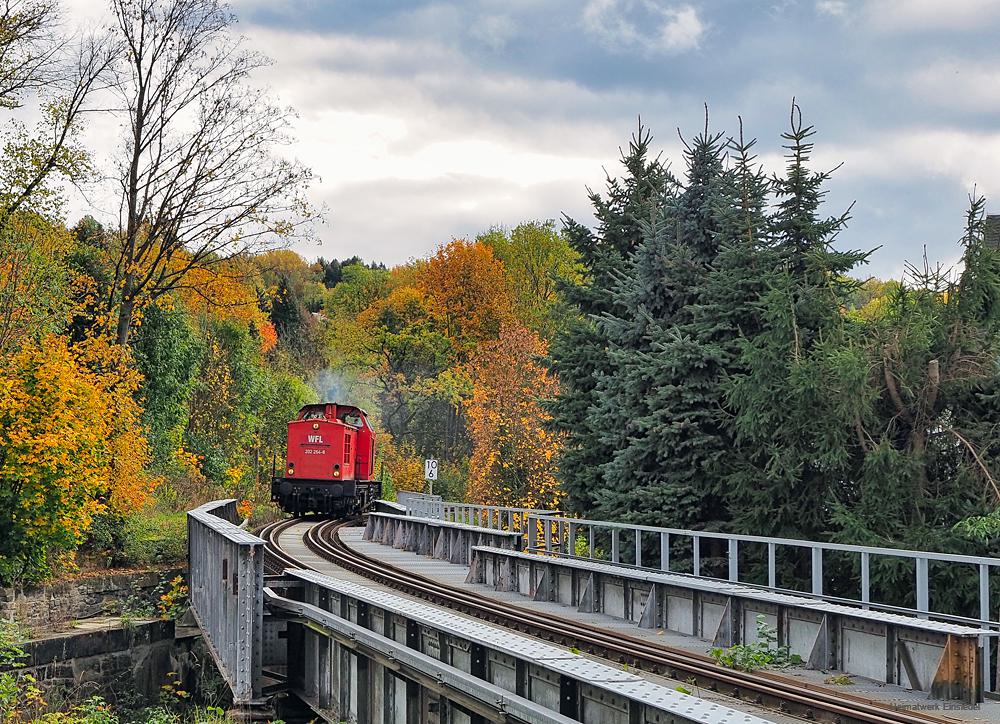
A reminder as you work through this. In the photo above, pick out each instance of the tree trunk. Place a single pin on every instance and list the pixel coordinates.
(125, 313)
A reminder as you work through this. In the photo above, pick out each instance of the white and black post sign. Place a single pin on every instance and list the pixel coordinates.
(430, 473)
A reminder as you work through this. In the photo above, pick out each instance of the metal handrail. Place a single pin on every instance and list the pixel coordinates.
(559, 534)
(225, 578)
(498, 517)
(796, 542)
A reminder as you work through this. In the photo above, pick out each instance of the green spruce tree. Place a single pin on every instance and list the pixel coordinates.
(654, 476)
(579, 352)
(791, 448)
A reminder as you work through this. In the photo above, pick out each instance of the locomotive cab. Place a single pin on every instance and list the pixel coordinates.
(329, 462)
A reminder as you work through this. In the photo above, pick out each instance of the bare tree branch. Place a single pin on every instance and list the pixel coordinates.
(199, 178)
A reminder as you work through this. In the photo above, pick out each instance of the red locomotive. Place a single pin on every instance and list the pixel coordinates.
(329, 463)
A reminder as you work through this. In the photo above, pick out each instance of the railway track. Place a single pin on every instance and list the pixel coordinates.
(766, 689)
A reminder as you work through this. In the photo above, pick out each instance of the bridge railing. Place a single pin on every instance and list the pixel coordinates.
(226, 581)
(421, 505)
(497, 517)
(584, 538)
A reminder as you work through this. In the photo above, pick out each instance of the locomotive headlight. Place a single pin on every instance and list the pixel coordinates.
(315, 426)
(336, 470)
(291, 470)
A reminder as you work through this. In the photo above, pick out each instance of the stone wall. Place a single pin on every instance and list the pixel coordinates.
(125, 664)
(55, 606)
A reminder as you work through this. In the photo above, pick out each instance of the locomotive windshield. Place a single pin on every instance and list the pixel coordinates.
(314, 415)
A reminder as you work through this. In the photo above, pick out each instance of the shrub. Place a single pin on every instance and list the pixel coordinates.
(174, 599)
(18, 691)
(762, 653)
(151, 538)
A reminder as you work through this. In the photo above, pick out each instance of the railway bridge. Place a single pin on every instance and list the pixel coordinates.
(447, 612)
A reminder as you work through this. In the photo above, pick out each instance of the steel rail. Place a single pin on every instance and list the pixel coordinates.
(275, 558)
(761, 688)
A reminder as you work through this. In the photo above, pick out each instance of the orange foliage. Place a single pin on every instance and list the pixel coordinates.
(268, 337)
(514, 455)
(467, 291)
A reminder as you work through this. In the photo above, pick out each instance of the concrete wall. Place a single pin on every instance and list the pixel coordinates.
(56, 605)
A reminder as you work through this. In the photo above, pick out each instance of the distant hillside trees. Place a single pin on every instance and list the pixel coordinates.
(449, 348)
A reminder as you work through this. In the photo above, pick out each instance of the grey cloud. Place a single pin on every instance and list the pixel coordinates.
(652, 27)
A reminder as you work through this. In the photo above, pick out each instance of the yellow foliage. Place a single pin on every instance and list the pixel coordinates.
(220, 292)
(70, 440)
(402, 463)
(282, 262)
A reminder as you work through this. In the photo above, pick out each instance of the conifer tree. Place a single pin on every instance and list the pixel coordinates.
(928, 430)
(790, 446)
(690, 362)
(653, 475)
(578, 354)
(288, 313)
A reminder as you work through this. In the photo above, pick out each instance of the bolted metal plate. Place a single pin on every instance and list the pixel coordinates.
(684, 706)
(590, 671)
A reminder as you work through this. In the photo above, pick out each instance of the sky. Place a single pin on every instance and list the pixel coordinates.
(427, 121)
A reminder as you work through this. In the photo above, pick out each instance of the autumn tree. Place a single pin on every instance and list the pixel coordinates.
(537, 260)
(467, 291)
(199, 178)
(514, 453)
(406, 358)
(70, 447)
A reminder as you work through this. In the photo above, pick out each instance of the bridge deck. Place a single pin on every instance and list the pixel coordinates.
(455, 575)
